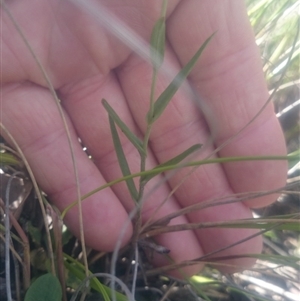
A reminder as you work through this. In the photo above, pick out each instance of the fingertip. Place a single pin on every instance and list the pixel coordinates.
(258, 176)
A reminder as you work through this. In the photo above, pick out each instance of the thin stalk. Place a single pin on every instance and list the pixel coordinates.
(179, 166)
(152, 92)
(68, 134)
(38, 193)
(7, 236)
(252, 224)
(156, 65)
(136, 251)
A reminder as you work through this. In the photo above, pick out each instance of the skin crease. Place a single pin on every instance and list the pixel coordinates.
(86, 63)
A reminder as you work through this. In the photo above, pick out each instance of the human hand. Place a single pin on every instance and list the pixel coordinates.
(86, 63)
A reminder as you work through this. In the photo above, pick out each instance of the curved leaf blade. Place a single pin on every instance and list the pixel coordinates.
(9, 159)
(75, 268)
(124, 128)
(157, 43)
(176, 160)
(122, 159)
(169, 92)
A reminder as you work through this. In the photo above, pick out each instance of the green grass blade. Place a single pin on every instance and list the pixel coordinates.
(169, 92)
(157, 43)
(181, 156)
(244, 294)
(285, 224)
(9, 159)
(262, 224)
(158, 38)
(173, 161)
(171, 167)
(77, 269)
(287, 260)
(295, 158)
(129, 134)
(122, 159)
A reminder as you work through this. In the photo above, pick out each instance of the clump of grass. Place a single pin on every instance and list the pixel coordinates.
(75, 267)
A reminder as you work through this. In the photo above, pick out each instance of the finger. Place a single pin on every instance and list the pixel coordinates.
(84, 99)
(230, 81)
(32, 117)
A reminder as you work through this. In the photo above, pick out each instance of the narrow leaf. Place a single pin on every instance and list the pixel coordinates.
(129, 134)
(294, 158)
(173, 161)
(6, 158)
(122, 159)
(285, 225)
(157, 42)
(181, 156)
(77, 269)
(169, 92)
(46, 288)
(287, 260)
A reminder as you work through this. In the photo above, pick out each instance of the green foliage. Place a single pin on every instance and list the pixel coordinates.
(122, 160)
(76, 269)
(276, 26)
(44, 288)
(294, 158)
(158, 42)
(174, 161)
(8, 159)
(124, 128)
(173, 87)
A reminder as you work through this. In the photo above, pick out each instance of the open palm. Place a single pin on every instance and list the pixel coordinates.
(86, 63)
